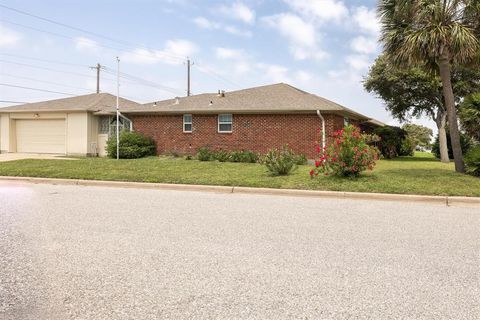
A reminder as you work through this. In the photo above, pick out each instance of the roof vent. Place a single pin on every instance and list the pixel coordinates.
(155, 104)
(222, 93)
(211, 103)
(177, 100)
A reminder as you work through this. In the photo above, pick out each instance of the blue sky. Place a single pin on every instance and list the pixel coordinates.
(321, 46)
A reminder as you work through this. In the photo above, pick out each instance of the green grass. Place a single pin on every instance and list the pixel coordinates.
(421, 174)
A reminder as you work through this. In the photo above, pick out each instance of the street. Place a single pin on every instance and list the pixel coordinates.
(76, 252)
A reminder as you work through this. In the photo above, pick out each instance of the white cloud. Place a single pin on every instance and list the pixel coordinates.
(239, 11)
(364, 45)
(8, 37)
(366, 20)
(358, 62)
(300, 33)
(303, 77)
(174, 53)
(274, 73)
(86, 44)
(204, 23)
(321, 10)
(228, 53)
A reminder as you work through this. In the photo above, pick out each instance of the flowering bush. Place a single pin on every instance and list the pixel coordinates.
(348, 155)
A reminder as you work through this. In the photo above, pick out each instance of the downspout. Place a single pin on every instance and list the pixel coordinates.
(323, 130)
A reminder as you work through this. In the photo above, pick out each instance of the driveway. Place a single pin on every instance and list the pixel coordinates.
(74, 252)
(20, 156)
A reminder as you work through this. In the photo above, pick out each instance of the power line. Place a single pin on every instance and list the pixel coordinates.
(123, 42)
(44, 60)
(35, 89)
(48, 69)
(219, 77)
(44, 81)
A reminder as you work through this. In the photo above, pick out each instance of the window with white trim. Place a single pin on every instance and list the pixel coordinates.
(225, 123)
(187, 123)
(346, 121)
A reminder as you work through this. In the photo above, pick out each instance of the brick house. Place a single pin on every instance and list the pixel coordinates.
(254, 119)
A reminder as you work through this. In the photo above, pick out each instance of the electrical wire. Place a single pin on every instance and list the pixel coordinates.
(43, 60)
(35, 89)
(44, 81)
(9, 101)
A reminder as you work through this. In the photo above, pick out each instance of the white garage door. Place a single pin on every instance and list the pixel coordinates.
(41, 136)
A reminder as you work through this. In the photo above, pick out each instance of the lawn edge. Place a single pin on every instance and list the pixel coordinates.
(441, 200)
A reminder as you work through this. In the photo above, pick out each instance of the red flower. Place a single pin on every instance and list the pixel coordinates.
(317, 164)
(312, 172)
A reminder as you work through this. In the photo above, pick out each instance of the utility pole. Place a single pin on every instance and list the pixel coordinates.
(97, 67)
(189, 64)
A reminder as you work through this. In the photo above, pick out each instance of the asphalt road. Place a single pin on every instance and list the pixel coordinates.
(73, 252)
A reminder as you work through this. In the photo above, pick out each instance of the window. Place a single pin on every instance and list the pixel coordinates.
(225, 123)
(108, 125)
(187, 123)
(104, 125)
(346, 122)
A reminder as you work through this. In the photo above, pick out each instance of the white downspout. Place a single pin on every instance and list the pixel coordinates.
(323, 129)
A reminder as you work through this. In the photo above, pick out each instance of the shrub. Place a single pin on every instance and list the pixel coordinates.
(391, 139)
(243, 156)
(189, 157)
(280, 161)
(348, 155)
(132, 145)
(204, 154)
(301, 159)
(465, 143)
(472, 161)
(408, 147)
(221, 155)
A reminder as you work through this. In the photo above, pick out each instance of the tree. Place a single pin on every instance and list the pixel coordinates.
(436, 35)
(469, 114)
(391, 140)
(420, 135)
(412, 92)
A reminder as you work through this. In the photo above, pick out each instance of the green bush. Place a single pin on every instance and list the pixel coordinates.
(132, 145)
(472, 161)
(243, 156)
(408, 147)
(465, 143)
(301, 159)
(391, 140)
(221, 156)
(204, 154)
(281, 161)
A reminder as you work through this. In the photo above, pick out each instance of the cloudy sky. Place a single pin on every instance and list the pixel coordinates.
(321, 46)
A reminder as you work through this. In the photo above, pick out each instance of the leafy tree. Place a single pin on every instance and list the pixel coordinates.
(436, 35)
(469, 114)
(412, 92)
(465, 142)
(420, 135)
(391, 140)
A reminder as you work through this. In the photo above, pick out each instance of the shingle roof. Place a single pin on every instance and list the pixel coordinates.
(276, 98)
(90, 102)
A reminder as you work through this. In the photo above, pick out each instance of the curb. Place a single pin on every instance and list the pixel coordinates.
(440, 200)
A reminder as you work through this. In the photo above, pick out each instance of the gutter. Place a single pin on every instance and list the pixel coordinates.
(323, 129)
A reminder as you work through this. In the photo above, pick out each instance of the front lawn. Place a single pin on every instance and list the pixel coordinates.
(421, 174)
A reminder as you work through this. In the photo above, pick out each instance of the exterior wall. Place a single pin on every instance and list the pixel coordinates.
(4, 133)
(102, 144)
(258, 133)
(92, 138)
(77, 134)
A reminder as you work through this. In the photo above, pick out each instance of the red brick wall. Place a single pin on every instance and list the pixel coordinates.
(257, 133)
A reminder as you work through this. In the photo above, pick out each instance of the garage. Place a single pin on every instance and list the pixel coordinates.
(41, 136)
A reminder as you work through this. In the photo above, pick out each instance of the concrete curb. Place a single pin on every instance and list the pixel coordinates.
(440, 200)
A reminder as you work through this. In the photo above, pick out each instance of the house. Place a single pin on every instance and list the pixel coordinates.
(70, 126)
(255, 119)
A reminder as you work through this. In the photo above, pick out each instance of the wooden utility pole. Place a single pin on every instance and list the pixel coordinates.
(98, 67)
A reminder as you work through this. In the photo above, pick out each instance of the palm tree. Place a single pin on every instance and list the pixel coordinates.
(436, 34)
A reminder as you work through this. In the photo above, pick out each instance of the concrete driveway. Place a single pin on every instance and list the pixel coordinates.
(20, 156)
(73, 252)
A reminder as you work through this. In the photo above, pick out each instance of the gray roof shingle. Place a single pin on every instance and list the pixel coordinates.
(90, 102)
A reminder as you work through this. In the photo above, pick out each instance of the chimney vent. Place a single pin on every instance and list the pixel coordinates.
(177, 100)
(222, 93)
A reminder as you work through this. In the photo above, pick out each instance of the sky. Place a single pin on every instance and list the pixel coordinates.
(324, 47)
